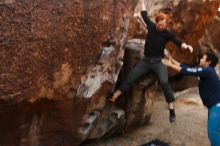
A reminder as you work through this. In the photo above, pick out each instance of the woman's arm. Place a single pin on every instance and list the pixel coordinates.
(180, 43)
(145, 17)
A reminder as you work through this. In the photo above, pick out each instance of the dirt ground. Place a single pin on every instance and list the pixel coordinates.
(190, 128)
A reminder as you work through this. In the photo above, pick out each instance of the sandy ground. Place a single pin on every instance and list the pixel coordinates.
(190, 128)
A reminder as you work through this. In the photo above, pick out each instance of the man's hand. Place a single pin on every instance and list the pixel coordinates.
(166, 62)
(174, 66)
(185, 46)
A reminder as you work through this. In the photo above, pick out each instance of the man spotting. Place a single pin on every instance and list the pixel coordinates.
(209, 90)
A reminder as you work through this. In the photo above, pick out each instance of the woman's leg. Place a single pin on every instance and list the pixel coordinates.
(139, 70)
(162, 74)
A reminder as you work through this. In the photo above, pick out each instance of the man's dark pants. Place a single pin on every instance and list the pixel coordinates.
(145, 66)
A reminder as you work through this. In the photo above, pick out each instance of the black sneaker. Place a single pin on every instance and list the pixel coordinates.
(172, 116)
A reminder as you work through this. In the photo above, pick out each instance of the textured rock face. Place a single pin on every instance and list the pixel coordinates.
(210, 39)
(56, 42)
(191, 18)
(58, 59)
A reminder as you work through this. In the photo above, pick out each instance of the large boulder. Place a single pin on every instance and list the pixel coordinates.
(210, 40)
(139, 99)
(59, 58)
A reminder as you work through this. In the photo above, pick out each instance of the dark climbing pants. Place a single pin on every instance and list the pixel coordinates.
(145, 66)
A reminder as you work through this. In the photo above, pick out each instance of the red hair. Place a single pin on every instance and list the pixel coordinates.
(160, 16)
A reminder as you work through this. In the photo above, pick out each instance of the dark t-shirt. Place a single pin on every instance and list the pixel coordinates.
(156, 40)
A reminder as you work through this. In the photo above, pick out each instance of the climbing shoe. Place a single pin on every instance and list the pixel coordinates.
(172, 116)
